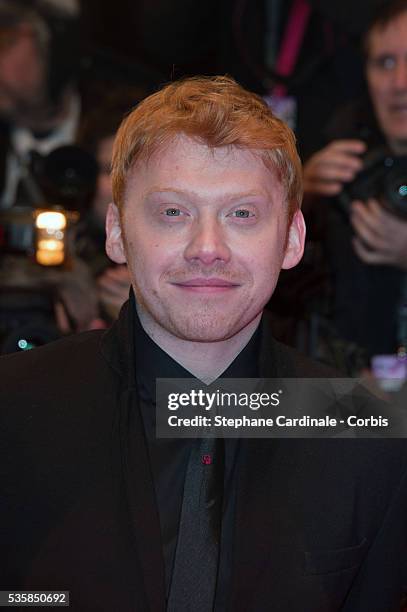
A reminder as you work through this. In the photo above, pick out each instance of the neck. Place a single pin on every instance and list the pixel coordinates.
(205, 360)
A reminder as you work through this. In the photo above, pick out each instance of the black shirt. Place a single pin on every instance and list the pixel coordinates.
(169, 457)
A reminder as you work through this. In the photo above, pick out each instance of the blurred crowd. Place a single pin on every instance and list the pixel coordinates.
(343, 88)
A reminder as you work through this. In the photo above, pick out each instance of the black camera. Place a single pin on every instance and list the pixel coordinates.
(383, 177)
(36, 244)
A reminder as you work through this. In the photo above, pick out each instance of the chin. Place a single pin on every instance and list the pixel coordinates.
(204, 329)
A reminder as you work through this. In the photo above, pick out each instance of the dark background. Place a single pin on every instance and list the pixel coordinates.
(159, 40)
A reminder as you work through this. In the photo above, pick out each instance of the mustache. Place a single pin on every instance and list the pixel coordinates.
(218, 270)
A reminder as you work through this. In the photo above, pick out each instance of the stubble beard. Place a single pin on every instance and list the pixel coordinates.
(207, 322)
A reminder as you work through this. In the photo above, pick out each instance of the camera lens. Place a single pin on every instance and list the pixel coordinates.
(395, 187)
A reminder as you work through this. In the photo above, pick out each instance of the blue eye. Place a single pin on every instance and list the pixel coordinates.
(388, 63)
(384, 62)
(172, 212)
(242, 213)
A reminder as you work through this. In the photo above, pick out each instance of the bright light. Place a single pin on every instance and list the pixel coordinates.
(50, 237)
(49, 258)
(24, 345)
(51, 245)
(51, 220)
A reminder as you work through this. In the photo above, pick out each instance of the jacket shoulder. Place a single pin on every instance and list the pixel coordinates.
(55, 359)
(294, 364)
(66, 376)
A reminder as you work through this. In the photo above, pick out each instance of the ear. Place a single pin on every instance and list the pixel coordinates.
(295, 241)
(114, 238)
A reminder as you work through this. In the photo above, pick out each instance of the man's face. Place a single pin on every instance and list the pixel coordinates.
(22, 77)
(204, 236)
(386, 72)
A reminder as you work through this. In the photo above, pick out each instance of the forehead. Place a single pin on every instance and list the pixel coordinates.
(389, 38)
(187, 162)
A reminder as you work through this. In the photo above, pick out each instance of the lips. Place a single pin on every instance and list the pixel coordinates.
(206, 285)
(206, 282)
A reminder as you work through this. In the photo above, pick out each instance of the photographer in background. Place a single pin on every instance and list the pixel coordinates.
(40, 105)
(96, 136)
(367, 246)
(40, 111)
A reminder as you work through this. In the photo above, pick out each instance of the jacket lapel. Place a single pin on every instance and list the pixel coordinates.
(144, 518)
(118, 348)
(253, 539)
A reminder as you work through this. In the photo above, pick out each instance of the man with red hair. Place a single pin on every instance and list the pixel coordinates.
(207, 191)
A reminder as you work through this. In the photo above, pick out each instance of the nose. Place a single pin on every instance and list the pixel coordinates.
(207, 243)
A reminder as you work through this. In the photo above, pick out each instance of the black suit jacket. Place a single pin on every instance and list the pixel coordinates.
(320, 524)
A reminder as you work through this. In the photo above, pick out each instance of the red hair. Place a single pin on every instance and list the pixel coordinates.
(215, 111)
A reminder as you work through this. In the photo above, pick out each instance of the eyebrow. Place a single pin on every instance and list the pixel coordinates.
(189, 193)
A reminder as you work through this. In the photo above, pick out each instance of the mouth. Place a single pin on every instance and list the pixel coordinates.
(206, 285)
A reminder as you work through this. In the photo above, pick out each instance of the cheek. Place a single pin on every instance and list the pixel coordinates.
(267, 272)
(265, 264)
(268, 249)
(378, 86)
(149, 260)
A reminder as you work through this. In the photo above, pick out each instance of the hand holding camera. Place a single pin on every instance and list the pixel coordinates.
(380, 236)
(326, 172)
(371, 191)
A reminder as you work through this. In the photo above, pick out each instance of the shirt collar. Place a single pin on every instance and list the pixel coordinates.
(263, 357)
(152, 362)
